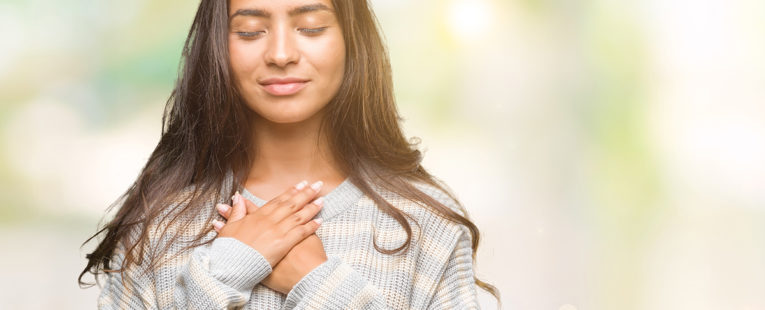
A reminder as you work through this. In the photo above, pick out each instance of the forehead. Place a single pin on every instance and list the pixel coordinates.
(269, 8)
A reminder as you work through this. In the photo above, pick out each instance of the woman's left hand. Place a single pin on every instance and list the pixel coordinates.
(299, 261)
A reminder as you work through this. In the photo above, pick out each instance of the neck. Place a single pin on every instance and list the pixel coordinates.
(285, 154)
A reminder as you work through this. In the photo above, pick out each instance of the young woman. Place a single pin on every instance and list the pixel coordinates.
(273, 94)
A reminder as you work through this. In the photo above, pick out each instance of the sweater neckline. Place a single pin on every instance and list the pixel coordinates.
(335, 201)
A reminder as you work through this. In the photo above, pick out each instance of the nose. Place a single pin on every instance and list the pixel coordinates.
(281, 49)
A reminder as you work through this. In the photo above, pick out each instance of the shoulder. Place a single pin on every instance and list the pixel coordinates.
(440, 236)
(441, 196)
(430, 223)
(182, 218)
(401, 201)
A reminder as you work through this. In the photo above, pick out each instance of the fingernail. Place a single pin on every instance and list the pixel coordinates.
(218, 224)
(318, 221)
(235, 198)
(316, 186)
(301, 184)
(319, 201)
(222, 207)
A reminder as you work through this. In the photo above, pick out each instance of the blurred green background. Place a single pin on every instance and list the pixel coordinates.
(611, 152)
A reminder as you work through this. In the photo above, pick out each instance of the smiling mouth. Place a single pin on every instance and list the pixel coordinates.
(284, 89)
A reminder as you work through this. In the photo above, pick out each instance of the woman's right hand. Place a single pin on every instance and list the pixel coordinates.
(277, 226)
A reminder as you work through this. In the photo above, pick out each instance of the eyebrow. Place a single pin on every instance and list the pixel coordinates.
(293, 12)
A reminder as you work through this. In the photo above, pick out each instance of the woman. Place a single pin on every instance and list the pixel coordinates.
(274, 93)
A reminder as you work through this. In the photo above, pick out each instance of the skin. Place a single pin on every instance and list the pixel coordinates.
(285, 132)
(281, 230)
(308, 45)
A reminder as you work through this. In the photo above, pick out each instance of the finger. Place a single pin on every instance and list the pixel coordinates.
(238, 210)
(296, 202)
(301, 232)
(250, 206)
(273, 203)
(303, 215)
(223, 209)
(218, 225)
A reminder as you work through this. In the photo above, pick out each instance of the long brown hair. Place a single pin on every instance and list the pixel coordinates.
(202, 138)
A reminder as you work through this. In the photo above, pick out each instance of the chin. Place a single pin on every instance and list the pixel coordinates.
(287, 116)
(285, 119)
(285, 110)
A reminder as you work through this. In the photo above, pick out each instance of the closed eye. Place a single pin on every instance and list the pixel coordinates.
(258, 33)
(312, 30)
(250, 34)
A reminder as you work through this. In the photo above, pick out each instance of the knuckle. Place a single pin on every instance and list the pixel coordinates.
(289, 204)
(307, 229)
(295, 218)
(298, 232)
(289, 194)
(303, 193)
(315, 207)
(293, 207)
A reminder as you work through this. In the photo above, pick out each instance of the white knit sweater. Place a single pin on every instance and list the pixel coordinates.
(435, 273)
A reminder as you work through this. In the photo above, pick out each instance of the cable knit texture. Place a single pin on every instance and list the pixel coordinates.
(435, 273)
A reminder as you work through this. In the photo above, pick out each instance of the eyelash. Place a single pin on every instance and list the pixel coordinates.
(306, 30)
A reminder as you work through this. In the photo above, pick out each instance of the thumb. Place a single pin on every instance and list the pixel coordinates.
(238, 210)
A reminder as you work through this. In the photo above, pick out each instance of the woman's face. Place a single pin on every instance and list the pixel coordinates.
(288, 57)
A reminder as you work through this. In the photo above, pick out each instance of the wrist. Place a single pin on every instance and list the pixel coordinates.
(314, 281)
(312, 263)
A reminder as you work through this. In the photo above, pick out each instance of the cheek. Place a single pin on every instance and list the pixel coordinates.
(240, 62)
(338, 59)
(332, 59)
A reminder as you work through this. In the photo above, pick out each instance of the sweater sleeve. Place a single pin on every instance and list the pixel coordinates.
(457, 289)
(218, 275)
(334, 285)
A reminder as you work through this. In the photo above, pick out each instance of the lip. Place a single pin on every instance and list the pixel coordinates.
(283, 86)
